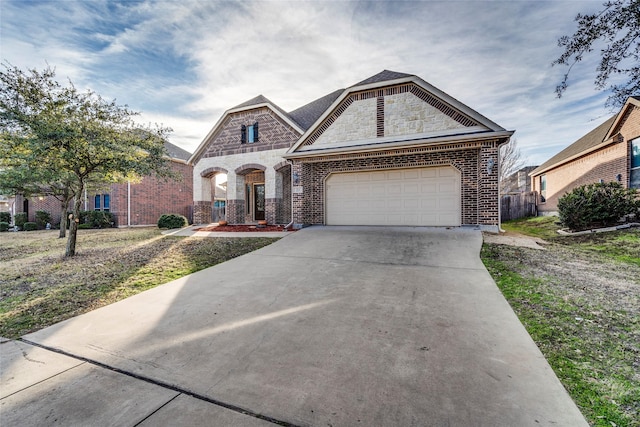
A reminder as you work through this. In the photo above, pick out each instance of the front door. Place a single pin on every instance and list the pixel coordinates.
(258, 201)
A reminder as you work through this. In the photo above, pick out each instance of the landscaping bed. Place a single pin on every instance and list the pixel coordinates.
(243, 228)
(579, 299)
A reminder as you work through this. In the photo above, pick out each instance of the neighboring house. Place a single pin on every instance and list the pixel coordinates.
(6, 203)
(610, 152)
(519, 181)
(131, 204)
(390, 150)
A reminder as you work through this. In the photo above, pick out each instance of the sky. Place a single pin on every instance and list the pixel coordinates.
(182, 63)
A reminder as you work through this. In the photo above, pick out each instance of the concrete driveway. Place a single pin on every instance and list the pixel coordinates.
(330, 326)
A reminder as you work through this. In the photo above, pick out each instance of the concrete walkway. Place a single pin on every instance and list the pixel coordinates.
(338, 326)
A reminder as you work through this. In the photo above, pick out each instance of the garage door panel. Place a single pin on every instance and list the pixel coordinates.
(419, 197)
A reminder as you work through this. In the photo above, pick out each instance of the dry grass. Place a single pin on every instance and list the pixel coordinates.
(580, 301)
(39, 287)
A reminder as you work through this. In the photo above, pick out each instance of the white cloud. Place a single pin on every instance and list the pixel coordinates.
(184, 62)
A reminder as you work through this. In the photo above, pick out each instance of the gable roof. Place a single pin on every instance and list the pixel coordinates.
(383, 76)
(597, 138)
(176, 152)
(387, 78)
(578, 148)
(306, 115)
(631, 102)
(256, 102)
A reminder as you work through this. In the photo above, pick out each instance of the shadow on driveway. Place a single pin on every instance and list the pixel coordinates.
(337, 326)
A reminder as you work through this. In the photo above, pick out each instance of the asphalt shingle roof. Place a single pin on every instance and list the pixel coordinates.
(260, 99)
(176, 152)
(307, 115)
(593, 138)
(383, 76)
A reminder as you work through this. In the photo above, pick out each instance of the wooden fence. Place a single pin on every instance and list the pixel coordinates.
(518, 205)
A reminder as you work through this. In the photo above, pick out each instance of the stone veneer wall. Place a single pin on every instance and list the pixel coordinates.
(406, 114)
(479, 187)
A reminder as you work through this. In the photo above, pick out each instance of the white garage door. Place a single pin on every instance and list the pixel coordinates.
(422, 197)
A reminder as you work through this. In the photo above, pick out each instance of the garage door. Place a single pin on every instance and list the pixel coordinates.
(423, 197)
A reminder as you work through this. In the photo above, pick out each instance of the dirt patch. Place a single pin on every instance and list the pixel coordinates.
(580, 301)
(514, 239)
(242, 228)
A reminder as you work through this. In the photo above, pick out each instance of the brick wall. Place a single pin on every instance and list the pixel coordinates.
(153, 197)
(48, 204)
(273, 134)
(605, 164)
(479, 187)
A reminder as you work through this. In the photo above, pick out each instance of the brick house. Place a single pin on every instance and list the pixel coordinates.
(610, 152)
(131, 204)
(389, 150)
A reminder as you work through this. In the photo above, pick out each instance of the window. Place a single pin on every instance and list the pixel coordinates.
(249, 133)
(102, 202)
(634, 179)
(543, 188)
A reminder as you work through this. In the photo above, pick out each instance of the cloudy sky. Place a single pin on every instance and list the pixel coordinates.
(183, 63)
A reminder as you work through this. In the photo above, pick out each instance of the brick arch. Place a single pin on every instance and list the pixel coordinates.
(244, 169)
(281, 165)
(212, 171)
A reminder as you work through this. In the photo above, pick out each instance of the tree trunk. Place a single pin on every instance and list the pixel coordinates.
(73, 224)
(63, 219)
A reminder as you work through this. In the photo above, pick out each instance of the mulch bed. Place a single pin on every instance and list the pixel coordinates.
(243, 228)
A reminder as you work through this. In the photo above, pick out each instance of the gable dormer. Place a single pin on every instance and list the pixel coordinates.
(255, 125)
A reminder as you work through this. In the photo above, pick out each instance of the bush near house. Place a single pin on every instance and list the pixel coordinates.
(19, 219)
(172, 221)
(95, 219)
(596, 205)
(4, 226)
(5, 217)
(43, 218)
(30, 226)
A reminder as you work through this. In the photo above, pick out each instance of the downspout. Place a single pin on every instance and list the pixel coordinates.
(291, 179)
(499, 170)
(128, 203)
(85, 199)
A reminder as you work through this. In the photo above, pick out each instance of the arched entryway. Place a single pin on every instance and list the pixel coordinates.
(250, 205)
(212, 205)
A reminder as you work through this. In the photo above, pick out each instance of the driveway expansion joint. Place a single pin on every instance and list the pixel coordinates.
(177, 389)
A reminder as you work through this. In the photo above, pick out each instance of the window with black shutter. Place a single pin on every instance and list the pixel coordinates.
(243, 134)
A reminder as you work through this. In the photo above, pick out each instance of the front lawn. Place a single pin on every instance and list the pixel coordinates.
(39, 287)
(579, 299)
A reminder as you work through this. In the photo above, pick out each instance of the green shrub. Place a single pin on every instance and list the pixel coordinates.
(97, 219)
(5, 217)
(172, 221)
(4, 226)
(19, 219)
(30, 226)
(594, 205)
(43, 218)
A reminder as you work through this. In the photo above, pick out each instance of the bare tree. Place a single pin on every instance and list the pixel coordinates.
(511, 161)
